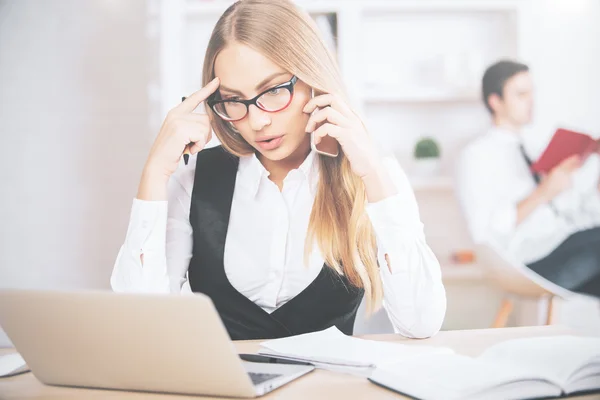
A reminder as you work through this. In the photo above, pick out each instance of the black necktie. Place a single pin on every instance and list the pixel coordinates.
(535, 176)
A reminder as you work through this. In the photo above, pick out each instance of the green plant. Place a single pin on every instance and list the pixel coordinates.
(427, 147)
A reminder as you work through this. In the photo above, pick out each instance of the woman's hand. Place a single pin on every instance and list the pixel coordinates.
(180, 127)
(340, 122)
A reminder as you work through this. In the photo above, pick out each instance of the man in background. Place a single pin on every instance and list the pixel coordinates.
(550, 223)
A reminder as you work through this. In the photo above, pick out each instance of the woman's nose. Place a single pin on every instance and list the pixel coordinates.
(258, 118)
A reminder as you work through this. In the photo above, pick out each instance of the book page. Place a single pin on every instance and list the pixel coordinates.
(557, 358)
(454, 376)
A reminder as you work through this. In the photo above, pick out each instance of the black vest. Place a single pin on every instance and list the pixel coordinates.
(329, 300)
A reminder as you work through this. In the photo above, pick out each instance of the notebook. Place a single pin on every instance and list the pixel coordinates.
(564, 144)
(331, 349)
(516, 369)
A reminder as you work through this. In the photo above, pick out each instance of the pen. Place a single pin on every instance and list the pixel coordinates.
(186, 151)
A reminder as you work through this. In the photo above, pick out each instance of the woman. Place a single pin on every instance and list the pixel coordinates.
(284, 240)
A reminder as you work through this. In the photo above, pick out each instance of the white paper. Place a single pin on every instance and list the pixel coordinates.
(332, 347)
(11, 364)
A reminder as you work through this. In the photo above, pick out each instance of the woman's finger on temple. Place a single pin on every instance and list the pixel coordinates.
(191, 102)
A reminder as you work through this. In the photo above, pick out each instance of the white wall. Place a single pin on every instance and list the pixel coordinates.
(562, 47)
(73, 136)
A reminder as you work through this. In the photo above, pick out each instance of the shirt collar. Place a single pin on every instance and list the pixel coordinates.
(505, 135)
(252, 172)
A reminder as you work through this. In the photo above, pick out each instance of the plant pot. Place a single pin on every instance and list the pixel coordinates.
(427, 167)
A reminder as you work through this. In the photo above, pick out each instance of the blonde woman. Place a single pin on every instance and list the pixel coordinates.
(284, 240)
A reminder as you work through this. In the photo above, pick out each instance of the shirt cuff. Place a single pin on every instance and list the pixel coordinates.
(414, 296)
(147, 226)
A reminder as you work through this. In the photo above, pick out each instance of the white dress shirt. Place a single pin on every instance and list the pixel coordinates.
(264, 248)
(493, 178)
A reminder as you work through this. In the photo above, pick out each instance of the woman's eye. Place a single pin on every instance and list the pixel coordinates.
(274, 91)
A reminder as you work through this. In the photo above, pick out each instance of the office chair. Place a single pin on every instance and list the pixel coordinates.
(516, 280)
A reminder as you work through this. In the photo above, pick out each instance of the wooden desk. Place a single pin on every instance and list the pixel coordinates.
(316, 385)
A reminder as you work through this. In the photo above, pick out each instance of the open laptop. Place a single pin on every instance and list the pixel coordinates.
(143, 342)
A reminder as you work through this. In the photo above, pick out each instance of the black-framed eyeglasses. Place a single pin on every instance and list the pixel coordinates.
(274, 99)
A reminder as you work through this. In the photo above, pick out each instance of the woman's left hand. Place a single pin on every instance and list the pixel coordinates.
(340, 122)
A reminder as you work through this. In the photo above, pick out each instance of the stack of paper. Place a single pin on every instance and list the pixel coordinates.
(331, 349)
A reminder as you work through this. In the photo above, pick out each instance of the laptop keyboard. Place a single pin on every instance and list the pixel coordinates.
(260, 378)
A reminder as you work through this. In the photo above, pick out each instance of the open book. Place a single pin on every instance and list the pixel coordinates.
(528, 368)
(565, 143)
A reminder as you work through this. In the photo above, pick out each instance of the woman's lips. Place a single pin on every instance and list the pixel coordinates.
(270, 143)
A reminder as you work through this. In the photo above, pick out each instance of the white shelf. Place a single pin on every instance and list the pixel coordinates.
(200, 7)
(433, 183)
(420, 98)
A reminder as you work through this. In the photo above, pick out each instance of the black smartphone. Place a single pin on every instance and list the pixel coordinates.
(258, 358)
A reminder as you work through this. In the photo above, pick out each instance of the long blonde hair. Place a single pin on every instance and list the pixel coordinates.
(338, 221)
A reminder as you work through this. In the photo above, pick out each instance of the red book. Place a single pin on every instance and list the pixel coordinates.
(564, 144)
